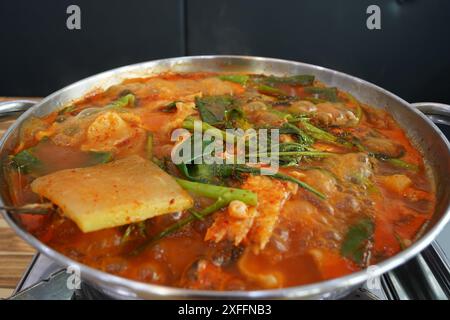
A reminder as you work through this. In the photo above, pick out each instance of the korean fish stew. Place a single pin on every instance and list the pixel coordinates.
(349, 188)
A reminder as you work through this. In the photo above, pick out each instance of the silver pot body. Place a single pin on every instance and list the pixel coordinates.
(424, 134)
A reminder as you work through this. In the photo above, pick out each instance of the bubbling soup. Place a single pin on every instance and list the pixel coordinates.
(351, 189)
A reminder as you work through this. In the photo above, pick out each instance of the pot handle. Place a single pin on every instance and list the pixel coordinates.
(8, 108)
(439, 113)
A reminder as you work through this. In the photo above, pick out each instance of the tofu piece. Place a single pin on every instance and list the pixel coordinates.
(108, 195)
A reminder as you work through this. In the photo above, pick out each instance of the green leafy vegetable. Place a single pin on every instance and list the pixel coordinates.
(197, 172)
(314, 100)
(281, 114)
(316, 132)
(99, 157)
(289, 128)
(329, 94)
(216, 192)
(402, 164)
(170, 108)
(272, 91)
(208, 173)
(124, 101)
(212, 108)
(226, 170)
(189, 124)
(320, 134)
(235, 118)
(301, 184)
(393, 161)
(118, 105)
(314, 153)
(358, 240)
(279, 176)
(26, 162)
(139, 228)
(290, 160)
(207, 115)
(382, 157)
(223, 196)
(301, 79)
(236, 78)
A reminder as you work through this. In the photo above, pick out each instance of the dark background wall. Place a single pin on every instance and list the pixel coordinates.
(410, 55)
(39, 54)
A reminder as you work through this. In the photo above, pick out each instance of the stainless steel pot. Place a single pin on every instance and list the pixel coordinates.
(426, 136)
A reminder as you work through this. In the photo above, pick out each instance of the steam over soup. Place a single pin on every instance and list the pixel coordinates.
(350, 189)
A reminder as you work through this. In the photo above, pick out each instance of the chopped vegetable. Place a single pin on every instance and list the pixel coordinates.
(190, 124)
(320, 134)
(402, 164)
(383, 157)
(223, 195)
(237, 78)
(138, 228)
(271, 91)
(107, 195)
(358, 240)
(298, 80)
(217, 192)
(329, 94)
(124, 101)
(170, 108)
(26, 162)
(99, 157)
(235, 118)
(292, 129)
(212, 109)
(280, 176)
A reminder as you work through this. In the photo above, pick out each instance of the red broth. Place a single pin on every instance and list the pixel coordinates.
(378, 195)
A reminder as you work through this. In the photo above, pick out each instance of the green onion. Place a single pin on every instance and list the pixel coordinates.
(236, 78)
(224, 196)
(127, 100)
(301, 79)
(402, 164)
(271, 91)
(329, 94)
(212, 191)
(190, 123)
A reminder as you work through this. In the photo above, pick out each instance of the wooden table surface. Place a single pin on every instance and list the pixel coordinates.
(15, 254)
